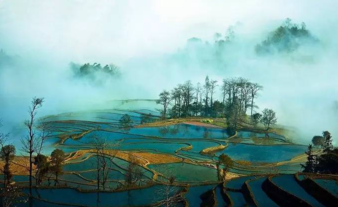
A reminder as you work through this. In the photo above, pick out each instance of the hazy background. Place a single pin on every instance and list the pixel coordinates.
(148, 41)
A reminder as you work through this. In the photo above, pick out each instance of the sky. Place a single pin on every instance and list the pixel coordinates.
(146, 38)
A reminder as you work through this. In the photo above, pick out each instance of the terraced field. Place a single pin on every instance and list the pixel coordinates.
(160, 153)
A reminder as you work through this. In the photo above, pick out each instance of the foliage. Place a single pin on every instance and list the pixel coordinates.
(146, 118)
(256, 118)
(12, 195)
(327, 161)
(56, 160)
(311, 162)
(268, 118)
(286, 39)
(207, 121)
(125, 122)
(42, 167)
(164, 100)
(95, 73)
(134, 173)
(318, 140)
(7, 154)
(227, 163)
(185, 100)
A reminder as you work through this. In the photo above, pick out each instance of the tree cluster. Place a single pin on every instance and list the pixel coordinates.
(286, 39)
(95, 73)
(325, 162)
(187, 100)
(238, 98)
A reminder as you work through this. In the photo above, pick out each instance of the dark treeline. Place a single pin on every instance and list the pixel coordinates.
(238, 99)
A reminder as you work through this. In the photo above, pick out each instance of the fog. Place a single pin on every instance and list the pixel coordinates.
(148, 41)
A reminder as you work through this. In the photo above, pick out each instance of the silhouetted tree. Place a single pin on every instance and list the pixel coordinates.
(32, 141)
(327, 162)
(311, 163)
(327, 145)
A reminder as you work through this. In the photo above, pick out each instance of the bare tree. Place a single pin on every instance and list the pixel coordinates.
(133, 173)
(254, 89)
(206, 87)
(187, 97)
(169, 193)
(103, 160)
(244, 93)
(213, 85)
(268, 118)
(225, 89)
(32, 142)
(41, 160)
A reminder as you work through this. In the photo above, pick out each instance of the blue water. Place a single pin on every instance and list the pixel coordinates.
(329, 185)
(193, 195)
(247, 134)
(181, 131)
(159, 147)
(289, 184)
(237, 183)
(184, 172)
(220, 200)
(237, 198)
(258, 153)
(95, 116)
(140, 197)
(108, 136)
(259, 195)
